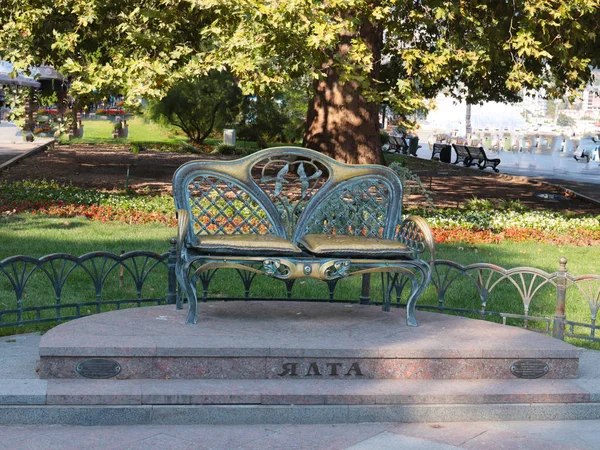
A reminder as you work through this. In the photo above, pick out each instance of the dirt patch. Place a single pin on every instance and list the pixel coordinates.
(105, 167)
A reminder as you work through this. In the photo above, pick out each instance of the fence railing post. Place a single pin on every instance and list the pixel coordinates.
(365, 293)
(171, 296)
(558, 326)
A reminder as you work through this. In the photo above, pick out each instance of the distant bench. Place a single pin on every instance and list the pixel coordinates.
(474, 156)
(398, 144)
(441, 152)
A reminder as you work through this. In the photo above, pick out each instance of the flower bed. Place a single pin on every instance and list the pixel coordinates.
(110, 112)
(44, 128)
(490, 226)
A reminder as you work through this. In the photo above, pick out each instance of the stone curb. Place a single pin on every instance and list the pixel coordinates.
(296, 414)
(295, 392)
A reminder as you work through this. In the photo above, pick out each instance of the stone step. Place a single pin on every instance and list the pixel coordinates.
(294, 392)
(98, 415)
(270, 340)
(139, 402)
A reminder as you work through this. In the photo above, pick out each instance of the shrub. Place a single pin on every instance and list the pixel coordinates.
(384, 138)
(226, 150)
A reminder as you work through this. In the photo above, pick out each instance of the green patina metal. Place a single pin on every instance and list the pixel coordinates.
(289, 193)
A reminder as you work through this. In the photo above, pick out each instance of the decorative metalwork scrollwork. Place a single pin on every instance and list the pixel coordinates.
(335, 269)
(527, 281)
(291, 187)
(278, 268)
(219, 205)
(589, 287)
(416, 235)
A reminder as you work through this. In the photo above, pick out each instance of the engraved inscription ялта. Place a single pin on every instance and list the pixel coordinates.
(331, 369)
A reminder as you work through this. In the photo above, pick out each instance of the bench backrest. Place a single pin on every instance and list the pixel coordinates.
(290, 192)
(437, 147)
(398, 142)
(461, 150)
(477, 152)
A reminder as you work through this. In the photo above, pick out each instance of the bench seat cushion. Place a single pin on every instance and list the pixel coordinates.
(247, 244)
(342, 245)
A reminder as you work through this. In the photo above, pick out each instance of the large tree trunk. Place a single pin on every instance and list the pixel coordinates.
(341, 122)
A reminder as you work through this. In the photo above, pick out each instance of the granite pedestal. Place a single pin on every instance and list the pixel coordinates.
(298, 341)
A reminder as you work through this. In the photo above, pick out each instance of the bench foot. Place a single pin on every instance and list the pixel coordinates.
(192, 317)
(411, 321)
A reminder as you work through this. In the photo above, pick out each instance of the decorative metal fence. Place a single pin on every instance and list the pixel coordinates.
(49, 275)
(133, 271)
(527, 282)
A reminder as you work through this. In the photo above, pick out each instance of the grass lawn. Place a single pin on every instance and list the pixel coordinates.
(140, 130)
(146, 131)
(34, 235)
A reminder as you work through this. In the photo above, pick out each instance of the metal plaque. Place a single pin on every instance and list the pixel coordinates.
(98, 368)
(529, 368)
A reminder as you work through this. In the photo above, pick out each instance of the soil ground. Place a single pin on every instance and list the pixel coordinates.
(105, 167)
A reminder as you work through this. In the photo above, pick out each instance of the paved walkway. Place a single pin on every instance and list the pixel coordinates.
(581, 434)
(19, 356)
(581, 178)
(11, 152)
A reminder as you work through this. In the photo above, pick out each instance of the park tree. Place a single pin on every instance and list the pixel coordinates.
(565, 121)
(199, 105)
(357, 53)
(277, 117)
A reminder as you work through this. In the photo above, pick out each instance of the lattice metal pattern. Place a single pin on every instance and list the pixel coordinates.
(290, 183)
(222, 206)
(410, 233)
(29, 279)
(358, 208)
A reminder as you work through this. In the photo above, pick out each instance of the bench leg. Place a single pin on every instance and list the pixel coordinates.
(365, 295)
(387, 284)
(416, 290)
(289, 285)
(189, 291)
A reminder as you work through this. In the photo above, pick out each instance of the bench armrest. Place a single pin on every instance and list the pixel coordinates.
(416, 234)
(183, 222)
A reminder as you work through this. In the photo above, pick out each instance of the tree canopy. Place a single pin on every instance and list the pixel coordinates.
(358, 53)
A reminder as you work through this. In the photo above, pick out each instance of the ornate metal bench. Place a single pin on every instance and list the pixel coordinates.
(290, 212)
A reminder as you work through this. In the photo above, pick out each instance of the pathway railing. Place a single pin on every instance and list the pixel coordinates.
(60, 287)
